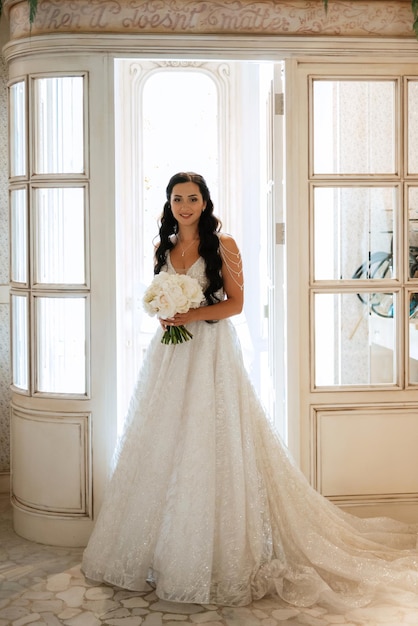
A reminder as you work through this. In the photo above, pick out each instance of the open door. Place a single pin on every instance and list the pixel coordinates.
(275, 248)
(228, 136)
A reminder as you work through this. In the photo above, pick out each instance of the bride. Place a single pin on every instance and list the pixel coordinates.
(205, 503)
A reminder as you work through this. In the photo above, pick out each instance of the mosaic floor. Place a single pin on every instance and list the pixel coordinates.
(44, 585)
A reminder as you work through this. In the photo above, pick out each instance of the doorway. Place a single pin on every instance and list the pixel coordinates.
(216, 118)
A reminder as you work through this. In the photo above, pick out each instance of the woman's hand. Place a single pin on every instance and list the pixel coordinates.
(180, 319)
(163, 323)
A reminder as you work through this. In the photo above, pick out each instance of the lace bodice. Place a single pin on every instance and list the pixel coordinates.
(197, 271)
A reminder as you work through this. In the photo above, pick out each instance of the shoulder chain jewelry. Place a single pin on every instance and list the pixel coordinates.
(233, 264)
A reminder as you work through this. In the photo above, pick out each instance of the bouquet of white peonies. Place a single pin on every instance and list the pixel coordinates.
(169, 294)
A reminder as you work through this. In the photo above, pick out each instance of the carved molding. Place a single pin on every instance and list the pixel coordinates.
(344, 18)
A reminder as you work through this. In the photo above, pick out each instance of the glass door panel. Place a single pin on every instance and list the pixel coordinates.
(412, 137)
(17, 129)
(20, 343)
(413, 338)
(60, 239)
(49, 235)
(354, 338)
(412, 229)
(354, 130)
(19, 236)
(354, 232)
(60, 360)
(199, 113)
(58, 125)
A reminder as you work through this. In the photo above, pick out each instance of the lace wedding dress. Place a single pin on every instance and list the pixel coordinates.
(206, 504)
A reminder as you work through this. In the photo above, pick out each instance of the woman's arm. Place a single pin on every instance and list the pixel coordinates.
(233, 278)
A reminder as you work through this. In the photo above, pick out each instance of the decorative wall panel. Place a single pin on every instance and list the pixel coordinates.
(356, 457)
(354, 18)
(41, 479)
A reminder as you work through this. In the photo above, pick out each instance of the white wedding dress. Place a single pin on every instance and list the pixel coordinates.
(206, 504)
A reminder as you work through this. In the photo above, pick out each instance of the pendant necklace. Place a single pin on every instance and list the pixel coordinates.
(184, 250)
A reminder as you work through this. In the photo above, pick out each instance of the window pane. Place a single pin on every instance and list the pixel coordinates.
(413, 338)
(61, 341)
(17, 140)
(354, 338)
(20, 346)
(354, 127)
(412, 127)
(59, 137)
(413, 231)
(60, 236)
(19, 236)
(168, 117)
(353, 232)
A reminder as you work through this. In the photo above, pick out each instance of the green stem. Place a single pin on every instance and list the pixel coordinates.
(415, 13)
(33, 7)
(176, 334)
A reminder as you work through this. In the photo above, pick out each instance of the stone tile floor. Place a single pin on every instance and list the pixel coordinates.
(44, 585)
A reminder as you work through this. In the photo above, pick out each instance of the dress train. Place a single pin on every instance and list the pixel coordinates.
(207, 505)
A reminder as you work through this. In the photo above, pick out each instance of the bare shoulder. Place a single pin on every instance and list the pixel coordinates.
(228, 243)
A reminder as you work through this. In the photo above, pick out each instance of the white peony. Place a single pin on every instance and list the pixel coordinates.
(169, 294)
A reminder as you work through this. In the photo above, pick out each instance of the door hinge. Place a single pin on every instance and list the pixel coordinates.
(279, 103)
(280, 233)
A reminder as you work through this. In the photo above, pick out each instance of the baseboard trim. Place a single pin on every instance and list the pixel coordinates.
(402, 511)
(4, 482)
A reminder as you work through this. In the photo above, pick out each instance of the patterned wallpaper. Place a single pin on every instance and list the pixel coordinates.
(4, 278)
(4, 388)
(4, 231)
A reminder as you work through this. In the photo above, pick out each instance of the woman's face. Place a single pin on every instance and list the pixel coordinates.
(187, 203)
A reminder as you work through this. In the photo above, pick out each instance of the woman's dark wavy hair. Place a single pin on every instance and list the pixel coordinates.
(209, 225)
